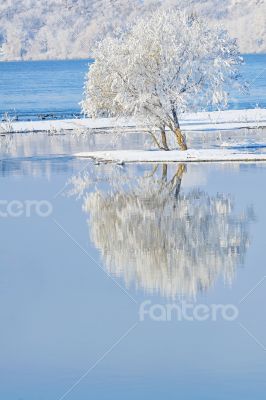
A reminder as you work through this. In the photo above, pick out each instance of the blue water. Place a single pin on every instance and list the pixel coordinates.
(42, 89)
(120, 240)
(70, 330)
(54, 89)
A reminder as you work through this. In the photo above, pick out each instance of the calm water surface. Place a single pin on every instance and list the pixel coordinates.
(53, 89)
(73, 283)
(87, 278)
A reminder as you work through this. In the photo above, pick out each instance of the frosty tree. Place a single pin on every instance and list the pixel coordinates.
(163, 65)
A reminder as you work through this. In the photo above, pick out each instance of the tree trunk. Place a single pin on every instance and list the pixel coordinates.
(155, 140)
(164, 175)
(164, 140)
(181, 140)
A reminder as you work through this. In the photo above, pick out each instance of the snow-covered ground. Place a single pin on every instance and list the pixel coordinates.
(161, 156)
(202, 121)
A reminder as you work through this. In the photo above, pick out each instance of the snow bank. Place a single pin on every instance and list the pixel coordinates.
(161, 156)
(203, 121)
(67, 124)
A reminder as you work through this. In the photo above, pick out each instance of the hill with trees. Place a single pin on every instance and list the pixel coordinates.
(67, 29)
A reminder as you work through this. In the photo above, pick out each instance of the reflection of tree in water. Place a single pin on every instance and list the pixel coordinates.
(166, 241)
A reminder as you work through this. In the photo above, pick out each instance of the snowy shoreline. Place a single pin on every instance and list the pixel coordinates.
(197, 122)
(202, 121)
(161, 156)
